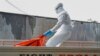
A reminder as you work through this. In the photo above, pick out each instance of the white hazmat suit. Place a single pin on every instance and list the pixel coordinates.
(62, 28)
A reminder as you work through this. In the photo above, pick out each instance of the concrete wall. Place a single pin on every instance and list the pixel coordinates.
(14, 26)
(17, 26)
(85, 31)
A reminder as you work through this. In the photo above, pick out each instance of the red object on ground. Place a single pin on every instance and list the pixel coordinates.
(38, 41)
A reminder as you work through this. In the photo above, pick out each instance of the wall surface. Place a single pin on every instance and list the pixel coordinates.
(17, 26)
(14, 26)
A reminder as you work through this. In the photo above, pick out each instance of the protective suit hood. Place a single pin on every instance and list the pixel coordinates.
(59, 8)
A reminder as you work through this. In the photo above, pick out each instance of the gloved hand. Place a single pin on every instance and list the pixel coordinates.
(49, 33)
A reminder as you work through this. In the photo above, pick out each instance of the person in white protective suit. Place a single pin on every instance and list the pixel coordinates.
(62, 28)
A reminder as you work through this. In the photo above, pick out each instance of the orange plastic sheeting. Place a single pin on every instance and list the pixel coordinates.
(38, 41)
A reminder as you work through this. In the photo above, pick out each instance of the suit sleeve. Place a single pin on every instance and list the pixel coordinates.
(58, 24)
